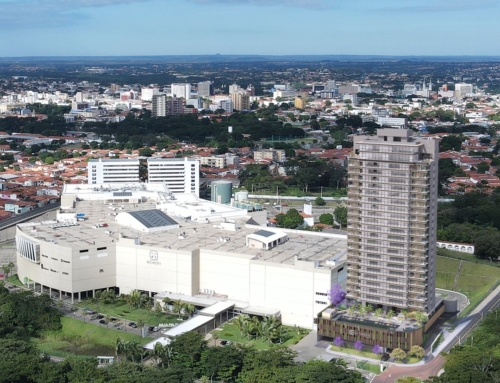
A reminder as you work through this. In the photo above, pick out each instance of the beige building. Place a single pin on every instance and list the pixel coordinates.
(241, 100)
(214, 161)
(392, 204)
(214, 254)
(277, 155)
(300, 102)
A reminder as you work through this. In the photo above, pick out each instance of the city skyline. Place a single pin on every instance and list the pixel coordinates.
(286, 27)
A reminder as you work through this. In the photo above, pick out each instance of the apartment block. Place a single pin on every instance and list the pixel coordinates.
(392, 206)
(113, 171)
(180, 175)
(214, 161)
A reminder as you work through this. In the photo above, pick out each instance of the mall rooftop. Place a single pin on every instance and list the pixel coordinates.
(152, 217)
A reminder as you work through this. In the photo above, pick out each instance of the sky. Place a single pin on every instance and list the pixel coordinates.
(248, 27)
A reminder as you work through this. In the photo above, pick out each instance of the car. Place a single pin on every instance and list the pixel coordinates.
(90, 312)
(113, 319)
(104, 225)
(223, 342)
(102, 321)
(151, 328)
(284, 204)
(100, 316)
(156, 328)
(132, 324)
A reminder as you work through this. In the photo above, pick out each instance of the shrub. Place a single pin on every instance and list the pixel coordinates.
(338, 341)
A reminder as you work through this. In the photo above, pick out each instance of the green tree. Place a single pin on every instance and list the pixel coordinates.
(398, 354)
(320, 201)
(340, 214)
(416, 351)
(488, 246)
(292, 219)
(483, 167)
(326, 218)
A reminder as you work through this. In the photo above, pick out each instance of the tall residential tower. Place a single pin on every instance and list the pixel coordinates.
(392, 205)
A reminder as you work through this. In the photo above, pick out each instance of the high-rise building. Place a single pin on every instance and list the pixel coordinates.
(175, 106)
(181, 90)
(113, 171)
(226, 105)
(205, 88)
(234, 88)
(241, 100)
(180, 175)
(392, 205)
(159, 105)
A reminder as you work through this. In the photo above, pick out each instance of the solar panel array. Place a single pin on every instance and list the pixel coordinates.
(153, 218)
(264, 233)
(122, 194)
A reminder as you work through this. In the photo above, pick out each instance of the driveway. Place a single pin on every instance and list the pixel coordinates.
(422, 372)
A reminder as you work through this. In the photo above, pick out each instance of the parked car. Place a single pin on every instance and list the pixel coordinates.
(156, 328)
(225, 342)
(112, 319)
(100, 316)
(133, 325)
(102, 321)
(151, 328)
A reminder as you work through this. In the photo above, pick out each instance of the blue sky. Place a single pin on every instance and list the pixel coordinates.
(178, 27)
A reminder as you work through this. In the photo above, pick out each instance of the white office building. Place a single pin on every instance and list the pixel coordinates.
(180, 175)
(112, 171)
(181, 90)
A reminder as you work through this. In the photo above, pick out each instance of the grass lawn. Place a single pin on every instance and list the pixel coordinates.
(446, 269)
(408, 379)
(349, 350)
(370, 367)
(14, 280)
(231, 332)
(366, 353)
(117, 310)
(83, 339)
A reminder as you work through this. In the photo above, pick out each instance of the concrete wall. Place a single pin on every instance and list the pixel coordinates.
(154, 269)
(69, 269)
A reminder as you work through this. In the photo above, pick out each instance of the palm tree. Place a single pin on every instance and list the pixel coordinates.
(144, 300)
(241, 323)
(135, 298)
(189, 309)
(281, 333)
(119, 347)
(178, 306)
(157, 353)
(271, 321)
(133, 349)
(85, 313)
(158, 309)
(166, 303)
(98, 296)
(140, 323)
(215, 336)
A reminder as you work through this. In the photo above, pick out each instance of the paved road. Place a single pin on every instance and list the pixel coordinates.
(26, 216)
(422, 372)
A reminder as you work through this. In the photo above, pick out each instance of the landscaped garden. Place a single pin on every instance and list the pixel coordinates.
(262, 333)
(137, 307)
(80, 339)
(414, 355)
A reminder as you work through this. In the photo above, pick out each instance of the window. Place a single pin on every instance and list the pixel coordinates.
(101, 270)
(84, 251)
(101, 248)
